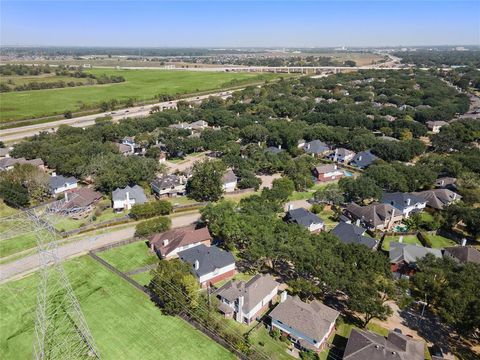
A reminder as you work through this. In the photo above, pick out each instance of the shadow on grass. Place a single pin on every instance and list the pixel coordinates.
(339, 343)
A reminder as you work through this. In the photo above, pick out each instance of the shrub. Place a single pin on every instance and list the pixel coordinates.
(151, 209)
(317, 208)
(152, 226)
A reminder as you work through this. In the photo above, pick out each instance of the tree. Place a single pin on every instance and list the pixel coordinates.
(254, 134)
(175, 287)
(67, 114)
(206, 182)
(152, 226)
(14, 194)
(329, 194)
(281, 189)
(360, 189)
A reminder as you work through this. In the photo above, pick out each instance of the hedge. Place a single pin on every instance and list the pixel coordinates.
(151, 209)
(152, 226)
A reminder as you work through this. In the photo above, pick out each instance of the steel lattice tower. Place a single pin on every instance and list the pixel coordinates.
(61, 331)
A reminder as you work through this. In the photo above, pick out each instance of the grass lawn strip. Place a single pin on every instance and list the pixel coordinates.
(129, 257)
(407, 239)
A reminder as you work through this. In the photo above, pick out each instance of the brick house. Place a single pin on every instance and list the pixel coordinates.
(168, 244)
(328, 172)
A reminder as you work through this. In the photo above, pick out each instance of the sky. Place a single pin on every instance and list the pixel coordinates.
(239, 23)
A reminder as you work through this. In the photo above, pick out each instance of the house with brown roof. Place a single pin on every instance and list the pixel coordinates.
(168, 244)
(77, 202)
(327, 172)
(366, 345)
(435, 126)
(438, 198)
(463, 254)
(247, 301)
(307, 325)
(375, 216)
(7, 163)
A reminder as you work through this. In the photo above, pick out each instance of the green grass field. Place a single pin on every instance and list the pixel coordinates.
(407, 239)
(129, 257)
(45, 78)
(123, 321)
(441, 242)
(140, 84)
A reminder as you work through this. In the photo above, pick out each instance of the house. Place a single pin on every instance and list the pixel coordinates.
(229, 181)
(375, 216)
(403, 257)
(363, 159)
(447, 183)
(180, 126)
(300, 143)
(341, 155)
(135, 148)
(366, 345)
(169, 185)
(305, 218)
(327, 172)
(463, 254)
(354, 234)
(407, 203)
(77, 203)
(123, 149)
(435, 126)
(274, 150)
(316, 148)
(59, 184)
(5, 152)
(124, 199)
(438, 198)
(308, 326)
(247, 301)
(168, 244)
(210, 264)
(198, 125)
(7, 163)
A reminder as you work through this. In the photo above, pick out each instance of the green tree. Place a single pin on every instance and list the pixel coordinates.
(360, 189)
(152, 226)
(206, 182)
(14, 194)
(329, 194)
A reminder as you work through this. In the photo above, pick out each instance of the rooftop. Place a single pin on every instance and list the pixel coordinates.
(209, 258)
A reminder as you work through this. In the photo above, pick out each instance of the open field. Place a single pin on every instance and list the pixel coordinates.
(129, 257)
(142, 85)
(123, 321)
(44, 78)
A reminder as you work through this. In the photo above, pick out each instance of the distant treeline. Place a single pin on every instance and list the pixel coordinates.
(439, 58)
(282, 61)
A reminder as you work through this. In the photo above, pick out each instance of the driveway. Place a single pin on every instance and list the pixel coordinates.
(26, 265)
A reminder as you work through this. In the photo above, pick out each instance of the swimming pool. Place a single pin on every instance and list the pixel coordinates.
(347, 173)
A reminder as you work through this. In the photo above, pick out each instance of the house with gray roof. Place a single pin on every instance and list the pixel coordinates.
(5, 152)
(229, 181)
(354, 234)
(124, 199)
(463, 254)
(363, 159)
(307, 325)
(316, 148)
(403, 257)
(366, 345)
(305, 218)
(341, 155)
(58, 184)
(407, 203)
(375, 216)
(169, 185)
(438, 198)
(435, 126)
(247, 301)
(446, 182)
(274, 150)
(7, 163)
(210, 264)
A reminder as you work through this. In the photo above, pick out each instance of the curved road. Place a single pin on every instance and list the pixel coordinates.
(26, 265)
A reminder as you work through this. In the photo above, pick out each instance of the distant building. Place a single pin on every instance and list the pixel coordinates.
(135, 148)
(463, 254)
(123, 149)
(59, 184)
(306, 219)
(316, 148)
(169, 185)
(307, 326)
(124, 199)
(435, 126)
(247, 301)
(168, 244)
(354, 234)
(327, 172)
(77, 203)
(229, 181)
(363, 159)
(403, 257)
(375, 216)
(7, 163)
(407, 203)
(274, 150)
(447, 183)
(366, 345)
(438, 198)
(209, 264)
(341, 155)
(4, 152)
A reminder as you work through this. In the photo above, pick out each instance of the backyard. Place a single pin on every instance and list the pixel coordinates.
(124, 322)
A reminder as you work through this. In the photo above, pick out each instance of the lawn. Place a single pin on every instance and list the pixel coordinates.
(123, 321)
(129, 257)
(440, 241)
(407, 239)
(274, 349)
(326, 216)
(305, 195)
(140, 84)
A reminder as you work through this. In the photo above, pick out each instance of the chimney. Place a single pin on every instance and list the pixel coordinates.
(409, 201)
(127, 195)
(360, 158)
(464, 242)
(400, 239)
(279, 146)
(290, 206)
(196, 265)
(54, 173)
(66, 196)
(357, 222)
(165, 242)
(239, 315)
(283, 296)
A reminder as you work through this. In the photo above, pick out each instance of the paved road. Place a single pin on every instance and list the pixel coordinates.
(21, 267)
(18, 133)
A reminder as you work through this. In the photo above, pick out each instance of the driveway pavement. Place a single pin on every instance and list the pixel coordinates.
(26, 265)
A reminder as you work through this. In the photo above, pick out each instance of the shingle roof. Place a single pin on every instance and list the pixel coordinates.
(209, 258)
(322, 169)
(402, 199)
(365, 345)
(179, 237)
(316, 147)
(341, 152)
(135, 192)
(410, 253)
(303, 217)
(313, 319)
(374, 214)
(123, 148)
(253, 291)
(352, 234)
(438, 198)
(273, 150)
(80, 197)
(58, 181)
(165, 182)
(229, 177)
(9, 161)
(464, 253)
(445, 181)
(363, 159)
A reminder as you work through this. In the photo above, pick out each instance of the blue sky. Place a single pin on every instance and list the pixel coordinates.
(239, 24)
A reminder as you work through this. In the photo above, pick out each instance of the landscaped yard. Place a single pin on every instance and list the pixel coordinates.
(440, 241)
(407, 239)
(129, 257)
(274, 349)
(305, 195)
(139, 84)
(123, 321)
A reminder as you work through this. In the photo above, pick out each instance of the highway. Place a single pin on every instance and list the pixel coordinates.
(18, 133)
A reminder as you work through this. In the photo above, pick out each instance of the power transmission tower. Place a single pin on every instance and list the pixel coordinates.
(61, 331)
